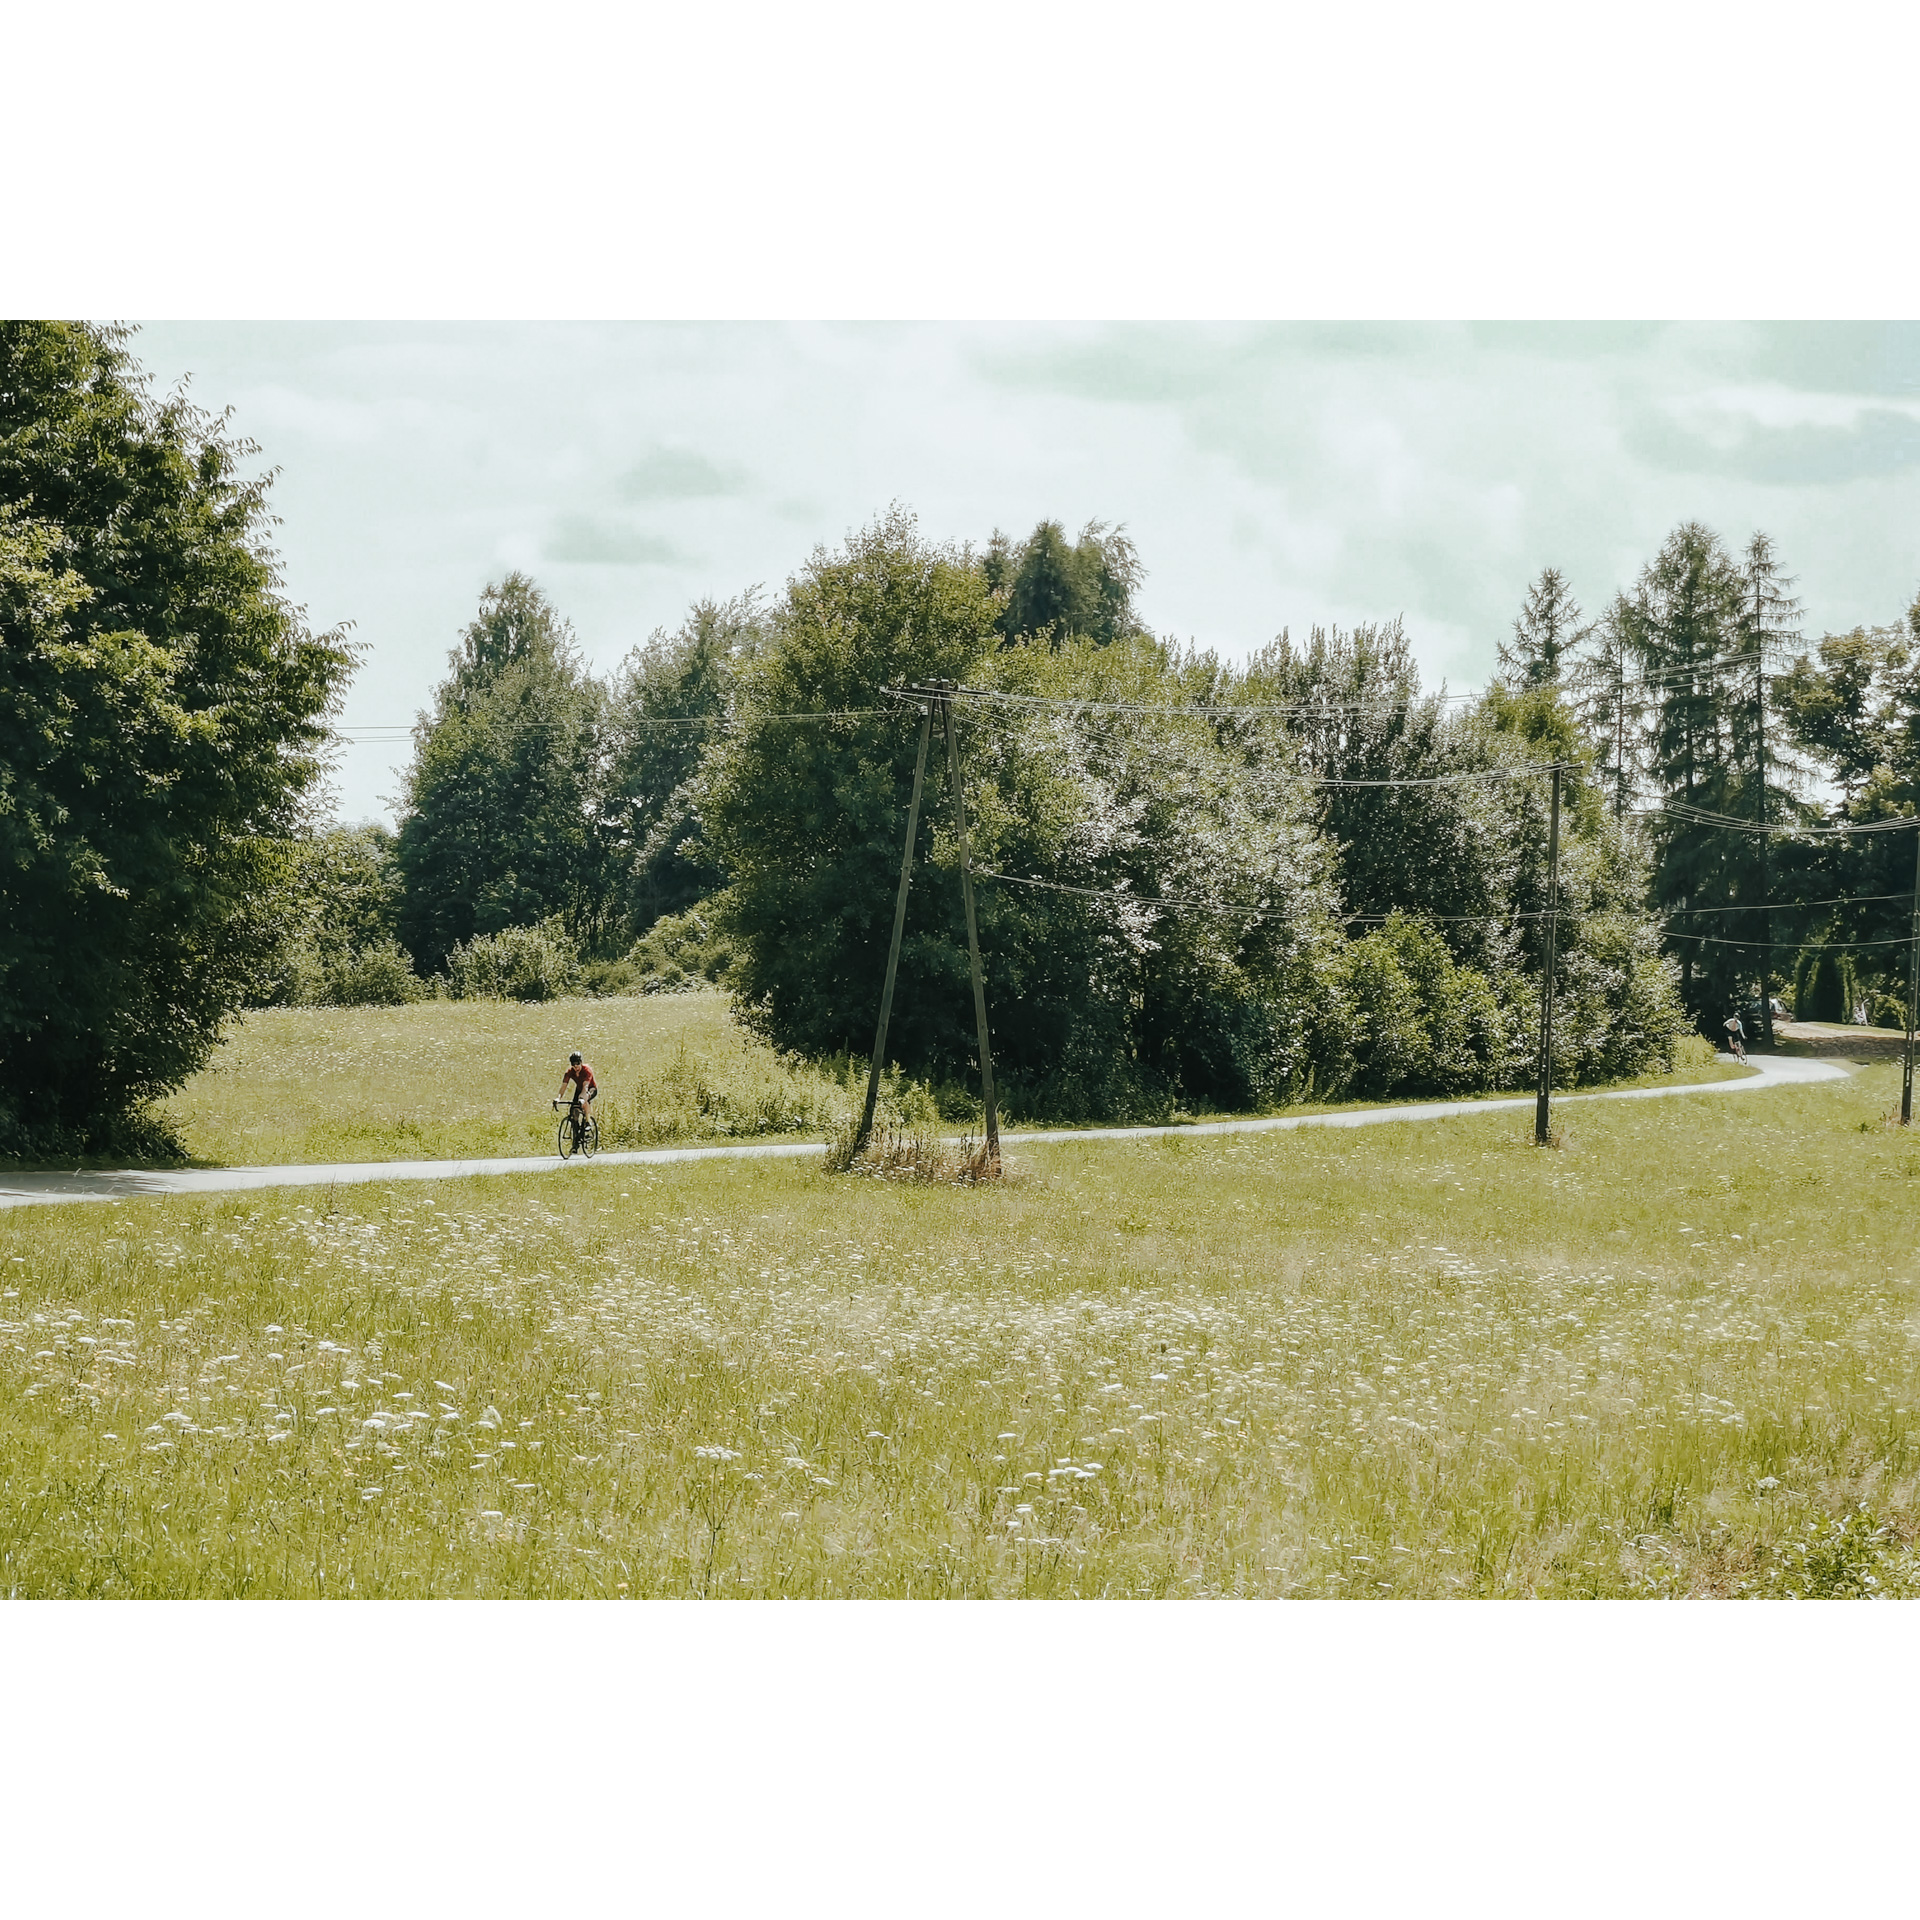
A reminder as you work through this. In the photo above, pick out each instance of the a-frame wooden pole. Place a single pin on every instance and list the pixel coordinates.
(973, 939)
(899, 927)
(1913, 989)
(1543, 1103)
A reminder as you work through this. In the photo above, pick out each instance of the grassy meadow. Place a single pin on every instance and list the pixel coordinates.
(1675, 1357)
(461, 1079)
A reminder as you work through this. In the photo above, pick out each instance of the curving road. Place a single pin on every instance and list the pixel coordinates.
(50, 1189)
(45, 1189)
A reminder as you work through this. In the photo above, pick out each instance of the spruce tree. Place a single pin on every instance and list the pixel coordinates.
(1767, 629)
(1683, 628)
(1080, 589)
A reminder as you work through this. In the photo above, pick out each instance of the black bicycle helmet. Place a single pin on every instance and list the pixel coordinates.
(573, 1059)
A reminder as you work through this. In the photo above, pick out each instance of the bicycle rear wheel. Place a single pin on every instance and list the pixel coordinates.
(566, 1138)
(590, 1138)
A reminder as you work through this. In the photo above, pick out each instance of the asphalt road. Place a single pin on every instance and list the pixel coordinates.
(46, 1189)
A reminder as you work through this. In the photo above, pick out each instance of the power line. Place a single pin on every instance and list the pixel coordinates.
(1726, 823)
(1261, 912)
(387, 734)
(1127, 896)
(1797, 906)
(1337, 783)
(1799, 946)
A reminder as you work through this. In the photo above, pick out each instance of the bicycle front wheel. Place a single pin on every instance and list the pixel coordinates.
(590, 1138)
(566, 1138)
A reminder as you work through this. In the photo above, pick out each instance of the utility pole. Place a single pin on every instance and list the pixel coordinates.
(899, 927)
(1766, 862)
(973, 938)
(1913, 988)
(1543, 1103)
(1619, 728)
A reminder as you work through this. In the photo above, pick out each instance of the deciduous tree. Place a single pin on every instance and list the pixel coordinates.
(499, 808)
(162, 711)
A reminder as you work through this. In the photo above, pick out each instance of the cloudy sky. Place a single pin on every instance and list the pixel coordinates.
(1272, 476)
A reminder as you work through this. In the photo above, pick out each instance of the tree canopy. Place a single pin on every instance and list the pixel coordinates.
(1550, 627)
(1165, 875)
(498, 809)
(665, 703)
(162, 714)
(1058, 589)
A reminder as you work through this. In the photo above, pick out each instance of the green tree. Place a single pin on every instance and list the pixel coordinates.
(162, 708)
(344, 903)
(1767, 630)
(1609, 701)
(1549, 628)
(1683, 625)
(665, 708)
(1451, 849)
(1853, 707)
(806, 818)
(499, 821)
(1056, 588)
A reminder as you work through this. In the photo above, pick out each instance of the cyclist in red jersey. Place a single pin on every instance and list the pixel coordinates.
(586, 1089)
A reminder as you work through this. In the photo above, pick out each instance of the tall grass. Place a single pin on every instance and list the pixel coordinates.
(463, 1079)
(1676, 1357)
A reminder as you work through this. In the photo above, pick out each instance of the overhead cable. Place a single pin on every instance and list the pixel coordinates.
(384, 735)
(1261, 912)
(1728, 823)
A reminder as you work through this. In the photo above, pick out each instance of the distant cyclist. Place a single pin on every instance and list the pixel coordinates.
(1736, 1037)
(579, 1076)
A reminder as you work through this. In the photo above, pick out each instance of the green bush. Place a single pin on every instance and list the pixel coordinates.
(1415, 1020)
(518, 963)
(680, 953)
(701, 1096)
(298, 978)
(380, 975)
(377, 975)
(1618, 1009)
(1694, 1050)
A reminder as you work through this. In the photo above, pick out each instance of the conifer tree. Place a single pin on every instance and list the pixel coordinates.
(661, 719)
(1683, 628)
(1549, 628)
(1610, 706)
(1768, 627)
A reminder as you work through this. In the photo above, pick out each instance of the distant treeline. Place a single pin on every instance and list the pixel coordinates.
(666, 828)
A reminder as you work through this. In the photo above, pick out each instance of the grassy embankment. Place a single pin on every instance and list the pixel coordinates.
(1676, 1357)
(460, 1079)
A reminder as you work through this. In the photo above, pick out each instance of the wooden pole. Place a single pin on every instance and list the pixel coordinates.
(1766, 860)
(973, 940)
(1543, 1103)
(1913, 989)
(899, 927)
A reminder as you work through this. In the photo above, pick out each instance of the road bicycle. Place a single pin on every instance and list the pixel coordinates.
(579, 1133)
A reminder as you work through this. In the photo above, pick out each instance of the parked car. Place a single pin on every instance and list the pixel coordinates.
(1752, 1015)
